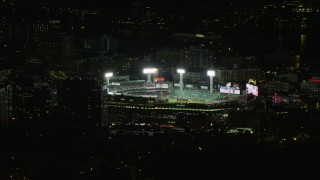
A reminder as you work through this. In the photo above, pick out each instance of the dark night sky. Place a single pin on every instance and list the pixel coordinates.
(159, 2)
(156, 4)
(112, 3)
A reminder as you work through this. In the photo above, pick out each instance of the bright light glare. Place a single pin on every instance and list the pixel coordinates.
(181, 71)
(108, 74)
(199, 35)
(149, 70)
(211, 73)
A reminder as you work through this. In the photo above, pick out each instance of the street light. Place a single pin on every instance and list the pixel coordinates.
(108, 76)
(211, 74)
(181, 72)
(149, 71)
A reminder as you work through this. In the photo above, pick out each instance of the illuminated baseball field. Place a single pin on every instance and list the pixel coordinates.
(169, 94)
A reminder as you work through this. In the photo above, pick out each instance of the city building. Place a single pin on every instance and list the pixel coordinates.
(189, 77)
(278, 86)
(140, 17)
(127, 65)
(35, 103)
(96, 46)
(237, 75)
(192, 57)
(196, 57)
(169, 54)
(80, 101)
(58, 50)
(239, 62)
(35, 30)
(285, 83)
(312, 84)
(292, 78)
(256, 121)
(5, 104)
(284, 60)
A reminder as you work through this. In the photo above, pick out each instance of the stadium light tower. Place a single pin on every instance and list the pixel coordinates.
(211, 74)
(108, 75)
(181, 72)
(149, 71)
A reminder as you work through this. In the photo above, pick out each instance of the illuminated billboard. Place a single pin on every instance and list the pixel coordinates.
(159, 79)
(229, 90)
(203, 87)
(162, 86)
(115, 83)
(165, 85)
(252, 89)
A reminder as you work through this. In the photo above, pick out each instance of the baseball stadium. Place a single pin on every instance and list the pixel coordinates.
(165, 103)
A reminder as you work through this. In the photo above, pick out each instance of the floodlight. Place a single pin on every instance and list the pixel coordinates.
(211, 73)
(181, 71)
(149, 70)
(107, 75)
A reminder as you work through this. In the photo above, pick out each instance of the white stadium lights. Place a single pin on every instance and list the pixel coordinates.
(181, 71)
(211, 73)
(149, 70)
(110, 74)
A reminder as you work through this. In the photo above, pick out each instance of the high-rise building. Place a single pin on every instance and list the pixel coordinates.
(196, 57)
(58, 50)
(36, 102)
(104, 105)
(237, 75)
(36, 30)
(193, 57)
(278, 86)
(6, 24)
(80, 101)
(5, 104)
(168, 54)
(96, 46)
(239, 62)
(190, 77)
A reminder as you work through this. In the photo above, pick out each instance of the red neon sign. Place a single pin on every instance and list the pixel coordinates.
(160, 79)
(314, 80)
